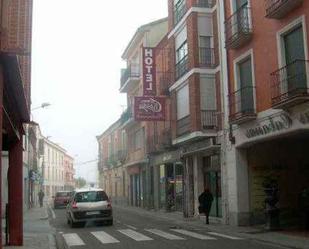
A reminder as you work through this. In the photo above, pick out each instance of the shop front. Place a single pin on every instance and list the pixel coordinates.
(274, 149)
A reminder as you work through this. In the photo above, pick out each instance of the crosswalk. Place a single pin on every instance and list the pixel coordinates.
(73, 239)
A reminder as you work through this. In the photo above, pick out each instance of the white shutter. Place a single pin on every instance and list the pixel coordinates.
(208, 92)
(181, 38)
(183, 102)
(204, 24)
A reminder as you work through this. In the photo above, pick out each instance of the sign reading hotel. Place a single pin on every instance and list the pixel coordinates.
(149, 108)
(149, 72)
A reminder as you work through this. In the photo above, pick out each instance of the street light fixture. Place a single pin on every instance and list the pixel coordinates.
(43, 105)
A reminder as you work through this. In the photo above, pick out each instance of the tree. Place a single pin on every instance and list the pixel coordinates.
(80, 182)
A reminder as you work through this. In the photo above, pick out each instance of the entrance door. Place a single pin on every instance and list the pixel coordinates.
(295, 61)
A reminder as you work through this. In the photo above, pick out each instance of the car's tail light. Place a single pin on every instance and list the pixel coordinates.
(109, 203)
(74, 204)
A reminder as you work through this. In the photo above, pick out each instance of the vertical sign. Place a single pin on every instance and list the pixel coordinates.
(149, 72)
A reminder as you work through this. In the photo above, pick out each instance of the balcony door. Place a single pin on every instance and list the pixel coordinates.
(246, 87)
(295, 61)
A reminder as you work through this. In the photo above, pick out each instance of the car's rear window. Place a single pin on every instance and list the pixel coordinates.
(91, 196)
(63, 194)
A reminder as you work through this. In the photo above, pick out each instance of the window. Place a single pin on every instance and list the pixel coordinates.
(182, 96)
(91, 196)
(139, 139)
(182, 52)
(244, 94)
(208, 92)
(206, 52)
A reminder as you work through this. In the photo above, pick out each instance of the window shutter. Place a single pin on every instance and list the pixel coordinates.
(183, 102)
(208, 93)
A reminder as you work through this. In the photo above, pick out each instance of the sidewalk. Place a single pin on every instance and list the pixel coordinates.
(38, 234)
(198, 223)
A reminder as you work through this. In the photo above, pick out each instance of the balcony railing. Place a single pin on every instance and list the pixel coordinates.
(182, 67)
(279, 8)
(183, 126)
(209, 119)
(131, 72)
(126, 116)
(290, 84)
(179, 11)
(207, 57)
(205, 3)
(241, 105)
(238, 28)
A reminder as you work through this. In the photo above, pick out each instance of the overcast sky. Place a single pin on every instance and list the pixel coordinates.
(76, 61)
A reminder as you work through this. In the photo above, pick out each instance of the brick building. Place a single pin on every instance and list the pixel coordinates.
(15, 85)
(69, 172)
(267, 70)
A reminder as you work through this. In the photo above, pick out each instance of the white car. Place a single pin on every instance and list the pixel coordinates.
(89, 205)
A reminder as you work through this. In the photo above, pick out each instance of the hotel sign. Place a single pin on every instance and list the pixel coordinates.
(149, 72)
(149, 108)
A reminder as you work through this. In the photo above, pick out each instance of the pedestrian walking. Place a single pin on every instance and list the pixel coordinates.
(205, 200)
(41, 197)
(304, 207)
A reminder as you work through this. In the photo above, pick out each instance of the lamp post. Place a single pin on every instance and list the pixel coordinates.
(43, 105)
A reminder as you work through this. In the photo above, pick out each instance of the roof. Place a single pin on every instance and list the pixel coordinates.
(139, 34)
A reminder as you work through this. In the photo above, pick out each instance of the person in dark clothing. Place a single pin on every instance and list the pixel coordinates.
(205, 200)
(41, 197)
(304, 207)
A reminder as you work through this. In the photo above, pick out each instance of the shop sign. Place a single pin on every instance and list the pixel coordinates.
(149, 72)
(149, 108)
(275, 123)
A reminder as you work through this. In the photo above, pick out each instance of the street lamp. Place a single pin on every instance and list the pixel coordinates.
(43, 105)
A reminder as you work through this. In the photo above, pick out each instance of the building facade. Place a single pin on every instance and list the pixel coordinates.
(267, 71)
(15, 85)
(69, 172)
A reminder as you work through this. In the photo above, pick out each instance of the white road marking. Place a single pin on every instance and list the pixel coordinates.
(194, 235)
(72, 239)
(224, 236)
(164, 234)
(132, 227)
(104, 238)
(134, 235)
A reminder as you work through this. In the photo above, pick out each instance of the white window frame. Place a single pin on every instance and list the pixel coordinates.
(236, 62)
(300, 21)
(233, 10)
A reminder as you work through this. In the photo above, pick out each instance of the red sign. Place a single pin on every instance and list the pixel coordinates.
(149, 72)
(149, 108)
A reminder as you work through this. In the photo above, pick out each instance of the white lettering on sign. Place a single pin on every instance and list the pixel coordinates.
(149, 72)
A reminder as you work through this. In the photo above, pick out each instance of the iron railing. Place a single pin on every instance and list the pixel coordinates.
(241, 103)
(132, 71)
(279, 8)
(183, 125)
(205, 3)
(209, 119)
(207, 57)
(182, 67)
(289, 82)
(180, 10)
(238, 27)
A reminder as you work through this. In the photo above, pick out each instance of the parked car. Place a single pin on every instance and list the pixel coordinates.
(61, 199)
(89, 205)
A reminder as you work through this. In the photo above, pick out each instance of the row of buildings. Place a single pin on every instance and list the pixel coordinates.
(29, 161)
(233, 76)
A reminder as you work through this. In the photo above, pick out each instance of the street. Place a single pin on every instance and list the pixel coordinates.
(131, 230)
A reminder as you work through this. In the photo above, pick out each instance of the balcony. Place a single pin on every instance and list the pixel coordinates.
(183, 126)
(209, 119)
(122, 155)
(241, 105)
(182, 67)
(126, 117)
(161, 142)
(207, 57)
(180, 10)
(289, 85)
(238, 28)
(129, 77)
(277, 9)
(205, 3)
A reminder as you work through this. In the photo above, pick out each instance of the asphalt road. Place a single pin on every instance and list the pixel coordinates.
(133, 231)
